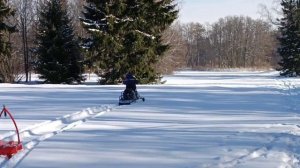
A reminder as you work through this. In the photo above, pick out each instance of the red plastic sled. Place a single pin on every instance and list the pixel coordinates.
(11, 147)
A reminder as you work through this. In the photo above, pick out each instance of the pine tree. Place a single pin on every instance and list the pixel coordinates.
(6, 74)
(127, 36)
(103, 20)
(289, 39)
(150, 19)
(59, 58)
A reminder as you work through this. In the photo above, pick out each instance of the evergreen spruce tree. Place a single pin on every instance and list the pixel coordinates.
(289, 39)
(144, 46)
(59, 59)
(127, 36)
(103, 20)
(5, 45)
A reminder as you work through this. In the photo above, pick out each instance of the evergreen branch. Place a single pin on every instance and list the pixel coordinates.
(146, 34)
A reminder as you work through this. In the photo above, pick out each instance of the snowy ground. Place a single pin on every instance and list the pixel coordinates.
(195, 120)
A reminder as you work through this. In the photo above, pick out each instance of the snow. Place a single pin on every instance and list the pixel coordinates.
(146, 34)
(194, 120)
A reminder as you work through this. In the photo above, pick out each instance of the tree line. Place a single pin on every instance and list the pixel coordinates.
(61, 40)
(110, 38)
(231, 42)
(243, 42)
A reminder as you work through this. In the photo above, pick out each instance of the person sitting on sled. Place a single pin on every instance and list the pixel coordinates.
(130, 91)
(130, 82)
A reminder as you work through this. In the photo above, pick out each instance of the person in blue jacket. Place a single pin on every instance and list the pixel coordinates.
(130, 81)
(130, 93)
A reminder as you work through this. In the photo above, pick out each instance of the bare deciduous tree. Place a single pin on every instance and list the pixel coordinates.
(174, 58)
(271, 13)
(75, 9)
(25, 17)
(232, 42)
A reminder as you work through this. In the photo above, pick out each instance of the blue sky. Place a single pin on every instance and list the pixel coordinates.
(209, 11)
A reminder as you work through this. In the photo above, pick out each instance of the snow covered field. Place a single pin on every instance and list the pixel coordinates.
(195, 120)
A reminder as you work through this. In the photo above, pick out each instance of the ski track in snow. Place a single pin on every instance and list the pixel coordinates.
(286, 143)
(290, 133)
(288, 159)
(292, 92)
(33, 135)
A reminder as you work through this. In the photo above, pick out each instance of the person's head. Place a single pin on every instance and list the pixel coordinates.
(129, 75)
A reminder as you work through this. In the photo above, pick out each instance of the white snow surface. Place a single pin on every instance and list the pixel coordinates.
(195, 120)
